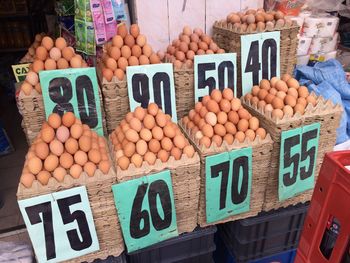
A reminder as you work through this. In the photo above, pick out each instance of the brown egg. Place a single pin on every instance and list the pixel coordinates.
(311, 99)
(147, 50)
(85, 143)
(115, 53)
(67, 53)
(59, 173)
(299, 108)
(253, 123)
(141, 147)
(233, 117)
(133, 61)
(136, 51)
(230, 128)
(293, 92)
(56, 147)
(303, 92)
(50, 64)
(144, 60)
(293, 83)
(269, 98)
(76, 130)
(68, 119)
(38, 65)
(75, 171)
(146, 134)
(27, 179)
(216, 140)
(76, 62)
(243, 114)
(290, 100)
(51, 162)
(60, 43)
(47, 134)
(66, 160)
(94, 156)
(219, 129)
(34, 165)
(288, 110)
(273, 91)
(141, 40)
(176, 153)
(129, 149)
(281, 95)
(47, 42)
(41, 53)
(273, 81)
(104, 166)
(54, 120)
(62, 63)
(126, 52)
(208, 130)
(154, 145)
(265, 84)
(81, 157)
(154, 59)
(43, 177)
(117, 41)
(119, 74)
(205, 141)
(107, 74)
(90, 168)
(111, 64)
(225, 105)
(229, 138)
(235, 104)
(281, 86)
(250, 134)
(129, 40)
(157, 133)
(55, 53)
(262, 94)
(286, 77)
(169, 131)
(261, 133)
(222, 117)
(240, 136)
(277, 103)
(134, 30)
(213, 106)
(150, 158)
(26, 88)
(32, 78)
(227, 94)
(193, 46)
(123, 162)
(153, 109)
(163, 155)
(71, 146)
(242, 125)
(137, 160)
(41, 150)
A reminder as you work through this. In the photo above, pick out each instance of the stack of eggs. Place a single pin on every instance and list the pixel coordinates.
(64, 146)
(50, 55)
(190, 43)
(126, 49)
(258, 20)
(146, 135)
(221, 117)
(29, 57)
(280, 97)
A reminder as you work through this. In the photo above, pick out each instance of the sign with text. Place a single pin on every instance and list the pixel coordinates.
(20, 71)
(298, 157)
(146, 210)
(260, 58)
(228, 182)
(60, 225)
(152, 83)
(74, 90)
(215, 71)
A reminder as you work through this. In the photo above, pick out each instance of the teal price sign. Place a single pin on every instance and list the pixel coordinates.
(74, 90)
(297, 160)
(152, 83)
(260, 58)
(215, 71)
(60, 225)
(146, 210)
(228, 183)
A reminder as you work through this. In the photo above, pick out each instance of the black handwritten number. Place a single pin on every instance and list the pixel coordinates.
(269, 45)
(239, 195)
(289, 160)
(156, 189)
(226, 66)
(215, 171)
(79, 216)
(60, 92)
(34, 213)
(140, 89)
(311, 153)
(161, 79)
(160, 188)
(204, 82)
(253, 65)
(137, 214)
(88, 113)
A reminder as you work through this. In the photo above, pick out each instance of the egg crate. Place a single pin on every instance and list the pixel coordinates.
(261, 164)
(184, 90)
(229, 38)
(102, 205)
(185, 180)
(326, 113)
(33, 113)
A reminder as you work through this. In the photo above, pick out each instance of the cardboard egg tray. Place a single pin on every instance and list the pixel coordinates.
(226, 36)
(102, 206)
(185, 180)
(261, 158)
(326, 113)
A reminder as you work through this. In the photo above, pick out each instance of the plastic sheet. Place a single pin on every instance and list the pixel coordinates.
(18, 252)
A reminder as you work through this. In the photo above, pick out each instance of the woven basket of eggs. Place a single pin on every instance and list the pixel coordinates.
(227, 34)
(282, 105)
(146, 142)
(67, 154)
(49, 55)
(127, 48)
(181, 53)
(220, 124)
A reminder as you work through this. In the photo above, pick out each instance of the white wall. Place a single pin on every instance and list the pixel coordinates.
(162, 20)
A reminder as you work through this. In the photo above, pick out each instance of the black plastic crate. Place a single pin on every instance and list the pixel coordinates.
(111, 259)
(266, 234)
(194, 247)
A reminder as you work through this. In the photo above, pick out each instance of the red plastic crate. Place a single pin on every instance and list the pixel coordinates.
(325, 237)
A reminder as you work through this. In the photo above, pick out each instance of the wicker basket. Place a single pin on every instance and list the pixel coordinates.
(261, 158)
(102, 206)
(184, 90)
(185, 181)
(226, 37)
(329, 117)
(33, 113)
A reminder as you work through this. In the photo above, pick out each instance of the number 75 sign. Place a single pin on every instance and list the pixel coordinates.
(260, 58)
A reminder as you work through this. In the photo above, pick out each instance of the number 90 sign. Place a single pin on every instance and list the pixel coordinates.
(73, 90)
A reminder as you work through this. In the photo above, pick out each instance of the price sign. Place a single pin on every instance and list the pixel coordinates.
(60, 225)
(298, 156)
(146, 210)
(74, 90)
(152, 83)
(215, 71)
(260, 58)
(228, 181)
(20, 71)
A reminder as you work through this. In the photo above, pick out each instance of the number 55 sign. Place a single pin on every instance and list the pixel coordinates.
(260, 58)
(298, 157)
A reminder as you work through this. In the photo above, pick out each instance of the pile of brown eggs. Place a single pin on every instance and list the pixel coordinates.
(280, 97)
(190, 43)
(126, 49)
(30, 55)
(221, 117)
(50, 55)
(258, 20)
(64, 146)
(146, 135)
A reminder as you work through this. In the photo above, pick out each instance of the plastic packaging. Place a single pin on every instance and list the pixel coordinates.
(289, 7)
(304, 45)
(323, 44)
(322, 25)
